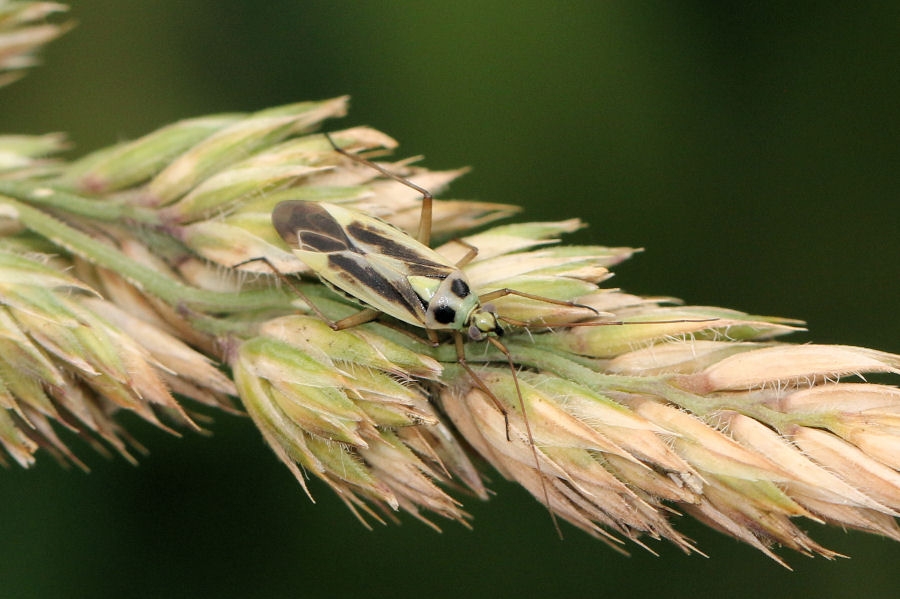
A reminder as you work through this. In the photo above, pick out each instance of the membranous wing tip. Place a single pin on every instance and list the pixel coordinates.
(309, 226)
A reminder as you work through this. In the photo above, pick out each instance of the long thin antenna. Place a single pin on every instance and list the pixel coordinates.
(461, 358)
(561, 325)
(537, 462)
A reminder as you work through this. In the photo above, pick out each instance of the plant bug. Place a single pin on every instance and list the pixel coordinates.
(390, 272)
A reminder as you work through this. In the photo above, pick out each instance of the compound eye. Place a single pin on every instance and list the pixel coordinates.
(484, 321)
(475, 334)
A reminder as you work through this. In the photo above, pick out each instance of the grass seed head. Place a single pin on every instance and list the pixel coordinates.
(692, 409)
(23, 31)
(345, 406)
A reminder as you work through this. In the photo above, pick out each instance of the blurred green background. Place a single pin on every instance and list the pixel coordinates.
(751, 148)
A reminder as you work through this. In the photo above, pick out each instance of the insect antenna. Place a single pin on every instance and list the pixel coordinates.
(497, 294)
(461, 358)
(537, 462)
(424, 234)
(568, 325)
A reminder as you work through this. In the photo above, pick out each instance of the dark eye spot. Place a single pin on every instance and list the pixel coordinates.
(459, 288)
(444, 314)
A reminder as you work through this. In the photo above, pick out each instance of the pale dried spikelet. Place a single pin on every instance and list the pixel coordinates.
(771, 437)
(123, 165)
(22, 33)
(145, 306)
(306, 169)
(232, 144)
(344, 406)
(71, 358)
(24, 156)
(684, 408)
(584, 487)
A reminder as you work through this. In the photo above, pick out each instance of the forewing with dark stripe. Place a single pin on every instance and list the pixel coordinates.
(360, 255)
(385, 290)
(390, 244)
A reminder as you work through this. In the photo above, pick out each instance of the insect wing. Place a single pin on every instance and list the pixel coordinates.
(362, 282)
(364, 257)
(388, 244)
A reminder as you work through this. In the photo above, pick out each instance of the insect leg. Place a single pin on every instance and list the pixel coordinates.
(471, 254)
(424, 234)
(363, 316)
(358, 318)
(461, 358)
(492, 295)
(410, 334)
(537, 463)
(290, 284)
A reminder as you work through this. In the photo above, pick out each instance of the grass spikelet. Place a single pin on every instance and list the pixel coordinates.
(125, 288)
